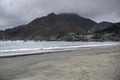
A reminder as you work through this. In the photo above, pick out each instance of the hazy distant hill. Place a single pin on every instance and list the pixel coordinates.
(100, 26)
(111, 33)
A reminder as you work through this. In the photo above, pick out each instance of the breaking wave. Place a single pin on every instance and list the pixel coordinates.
(10, 48)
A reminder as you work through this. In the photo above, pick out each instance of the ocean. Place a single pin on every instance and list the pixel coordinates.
(12, 48)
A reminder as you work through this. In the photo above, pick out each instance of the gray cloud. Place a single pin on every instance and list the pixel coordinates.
(18, 12)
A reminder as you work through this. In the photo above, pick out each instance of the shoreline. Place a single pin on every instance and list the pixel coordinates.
(28, 48)
(32, 54)
(29, 54)
(82, 64)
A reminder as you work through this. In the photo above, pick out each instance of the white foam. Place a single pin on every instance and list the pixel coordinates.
(9, 48)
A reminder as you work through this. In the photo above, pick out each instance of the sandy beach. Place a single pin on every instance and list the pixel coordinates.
(82, 64)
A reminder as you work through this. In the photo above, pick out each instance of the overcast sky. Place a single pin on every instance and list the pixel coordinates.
(18, 12)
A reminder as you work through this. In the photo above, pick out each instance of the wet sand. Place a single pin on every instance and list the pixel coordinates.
(82, 64)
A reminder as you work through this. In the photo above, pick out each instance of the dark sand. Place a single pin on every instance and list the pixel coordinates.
(83, 64)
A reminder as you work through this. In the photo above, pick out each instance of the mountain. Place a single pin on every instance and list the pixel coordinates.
(100, 26)
(111, 33)
(67, 26)
(50, 27)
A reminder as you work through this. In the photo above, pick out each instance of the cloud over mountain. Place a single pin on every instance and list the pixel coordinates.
(17, 12)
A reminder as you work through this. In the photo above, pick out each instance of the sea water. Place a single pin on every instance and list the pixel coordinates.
(10, 48)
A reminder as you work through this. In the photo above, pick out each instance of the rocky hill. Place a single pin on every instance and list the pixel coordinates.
(68, 27)
(112, 33)
(100, 26)
(50, 27)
